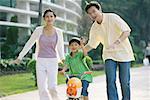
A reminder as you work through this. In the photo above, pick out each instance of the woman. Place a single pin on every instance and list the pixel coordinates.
(49, 48)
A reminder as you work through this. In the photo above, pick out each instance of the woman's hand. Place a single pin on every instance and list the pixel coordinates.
(17, 61)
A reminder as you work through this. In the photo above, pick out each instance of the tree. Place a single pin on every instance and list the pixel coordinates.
(40, 13)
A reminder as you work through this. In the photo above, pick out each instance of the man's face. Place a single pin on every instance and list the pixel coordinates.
(93, 13)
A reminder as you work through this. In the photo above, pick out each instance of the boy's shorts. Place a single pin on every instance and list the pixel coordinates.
(85, 85)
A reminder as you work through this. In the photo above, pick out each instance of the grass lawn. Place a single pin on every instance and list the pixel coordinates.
(13, 84)
(19, 83)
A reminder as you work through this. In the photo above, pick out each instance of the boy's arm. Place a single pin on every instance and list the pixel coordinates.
(83, 48)
(64, 69)
(64, 66)
(84, 51)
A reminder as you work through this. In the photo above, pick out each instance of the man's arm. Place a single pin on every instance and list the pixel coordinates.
(88, 48)
(85, 48)
(123, 27)
(122, 37)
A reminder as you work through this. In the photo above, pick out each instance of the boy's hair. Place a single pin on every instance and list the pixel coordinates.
(93, 3)
(74, 39)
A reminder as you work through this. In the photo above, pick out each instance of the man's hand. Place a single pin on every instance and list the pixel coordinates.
(113, 46)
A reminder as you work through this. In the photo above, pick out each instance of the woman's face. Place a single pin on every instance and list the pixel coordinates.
(49, 18)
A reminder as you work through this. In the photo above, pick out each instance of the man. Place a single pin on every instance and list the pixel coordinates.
(112, 31)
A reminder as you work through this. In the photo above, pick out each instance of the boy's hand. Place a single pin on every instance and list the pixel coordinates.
(62, 72)
(82, 43)
(88, 72)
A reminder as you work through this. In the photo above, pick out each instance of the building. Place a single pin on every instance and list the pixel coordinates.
(23, 15)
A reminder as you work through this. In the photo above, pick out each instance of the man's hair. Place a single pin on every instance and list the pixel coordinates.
(74, 39)
(93, 3)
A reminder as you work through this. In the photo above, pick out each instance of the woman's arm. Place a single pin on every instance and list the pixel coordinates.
(28, 45)
(26, 48)
(60, 46)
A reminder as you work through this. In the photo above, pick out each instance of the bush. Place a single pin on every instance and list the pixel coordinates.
(7, 68)
(32, 67)
(98, 62)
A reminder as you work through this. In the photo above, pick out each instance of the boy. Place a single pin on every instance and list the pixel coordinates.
(74, 61)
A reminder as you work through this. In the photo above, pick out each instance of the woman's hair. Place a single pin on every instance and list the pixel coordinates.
(49, 10)
(93, 3)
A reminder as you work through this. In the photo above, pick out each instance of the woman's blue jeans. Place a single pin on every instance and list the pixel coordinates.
(124, 78)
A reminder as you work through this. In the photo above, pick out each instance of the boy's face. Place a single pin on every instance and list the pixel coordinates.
(74, 47)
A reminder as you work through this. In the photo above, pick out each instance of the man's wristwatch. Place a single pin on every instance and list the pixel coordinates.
(119, 40)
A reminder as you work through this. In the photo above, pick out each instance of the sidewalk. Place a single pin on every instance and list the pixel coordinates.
(140, 88)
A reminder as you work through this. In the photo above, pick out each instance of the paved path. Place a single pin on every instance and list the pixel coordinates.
(140, 88)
